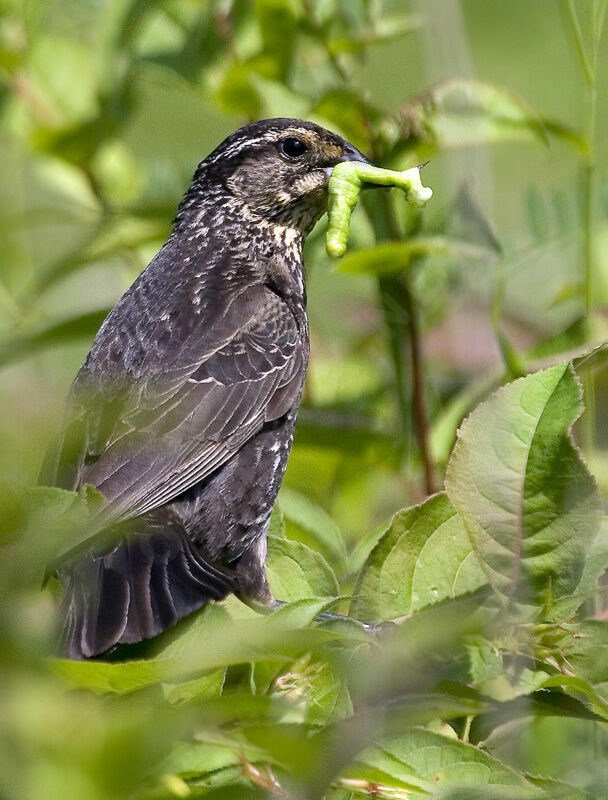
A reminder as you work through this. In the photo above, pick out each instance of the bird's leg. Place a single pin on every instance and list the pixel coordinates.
(255, 592)
(374, 628)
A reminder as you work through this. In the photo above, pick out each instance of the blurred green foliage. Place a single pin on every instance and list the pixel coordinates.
(493, 682)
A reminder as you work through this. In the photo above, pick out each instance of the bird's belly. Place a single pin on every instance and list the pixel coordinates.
(231, 509)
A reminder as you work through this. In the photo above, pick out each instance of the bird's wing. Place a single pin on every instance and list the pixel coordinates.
(143, 443)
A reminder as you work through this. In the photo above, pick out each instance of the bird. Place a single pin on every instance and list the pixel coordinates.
(182, 416)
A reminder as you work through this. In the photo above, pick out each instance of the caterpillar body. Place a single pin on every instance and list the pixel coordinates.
(345, 184)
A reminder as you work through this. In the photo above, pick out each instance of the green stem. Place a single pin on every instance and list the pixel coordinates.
(588, 62)
(401, 317)
(579, 40)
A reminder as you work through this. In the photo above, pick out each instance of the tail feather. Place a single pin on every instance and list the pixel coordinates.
(147, 583)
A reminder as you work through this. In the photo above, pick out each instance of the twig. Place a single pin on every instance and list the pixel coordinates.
(419, 400)
(421, 418)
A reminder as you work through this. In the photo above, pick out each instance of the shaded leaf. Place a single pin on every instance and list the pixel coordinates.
(590, 657)
(393, 257)
(309, 523)
(83, 326)
(295, 571)
(596, 564)
(387, 28)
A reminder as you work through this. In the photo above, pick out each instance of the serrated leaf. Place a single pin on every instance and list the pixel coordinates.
(580, 689)
(429, 762)
(596, 564)
(424, 557)
(529, 504)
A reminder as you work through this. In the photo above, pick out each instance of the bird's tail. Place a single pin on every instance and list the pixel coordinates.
(145, 584)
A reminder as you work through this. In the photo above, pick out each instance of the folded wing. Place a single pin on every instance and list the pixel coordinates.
(143, 441)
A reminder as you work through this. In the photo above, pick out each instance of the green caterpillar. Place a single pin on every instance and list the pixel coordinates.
(345, 183)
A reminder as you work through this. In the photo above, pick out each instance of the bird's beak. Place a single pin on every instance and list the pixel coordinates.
(350, 153)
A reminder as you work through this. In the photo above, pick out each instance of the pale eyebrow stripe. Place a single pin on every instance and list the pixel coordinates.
(268, 136)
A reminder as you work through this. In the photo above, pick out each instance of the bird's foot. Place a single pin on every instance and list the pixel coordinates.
(373, 628)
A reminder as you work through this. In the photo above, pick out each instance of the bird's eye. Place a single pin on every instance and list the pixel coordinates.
(293, 147)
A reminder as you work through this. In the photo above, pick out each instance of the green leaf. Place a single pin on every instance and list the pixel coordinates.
(209, 640)
(112, 678)
(295, 571)
(428, 762)
(557, 790)
(423, 558)
(590, 658)
(310, 524)
(580, 689)
(596, 564)
(390, 258)
(314, 690)
(82, 326)
(209, 685)
(55, 519)
(237, 92)
(461, 113)
(111, 238)
(529, 504)
(277, 23)
(386, 29)
(348, 112)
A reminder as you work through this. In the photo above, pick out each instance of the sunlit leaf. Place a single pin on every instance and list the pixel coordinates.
(461, 113)
(427, 762)
(212, 640)
(424, 557)
(209, 685)
(528, 501)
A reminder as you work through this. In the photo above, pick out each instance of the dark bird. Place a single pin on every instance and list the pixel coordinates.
(183, 413)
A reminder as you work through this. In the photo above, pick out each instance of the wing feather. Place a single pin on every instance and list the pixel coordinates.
(144, 441)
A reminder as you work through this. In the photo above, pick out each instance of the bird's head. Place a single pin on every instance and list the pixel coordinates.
(278, 169)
